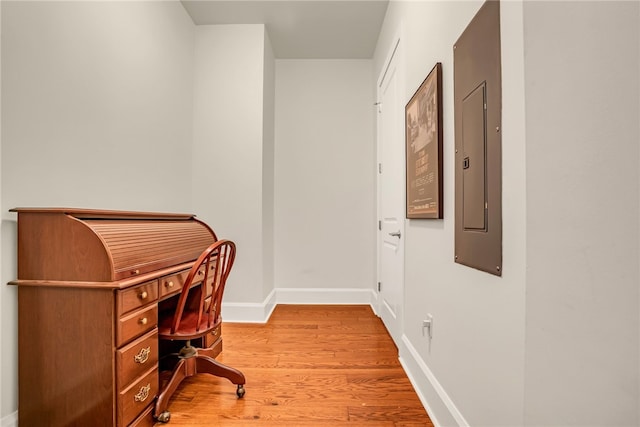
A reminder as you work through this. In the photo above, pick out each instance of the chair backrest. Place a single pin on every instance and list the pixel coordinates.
(200, 305)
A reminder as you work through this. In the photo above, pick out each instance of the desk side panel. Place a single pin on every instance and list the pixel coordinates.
(54, 246)
(66, 363)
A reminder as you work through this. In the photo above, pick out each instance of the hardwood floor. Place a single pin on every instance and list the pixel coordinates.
(308, 366)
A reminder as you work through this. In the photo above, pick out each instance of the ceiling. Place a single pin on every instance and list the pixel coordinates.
(305, 29)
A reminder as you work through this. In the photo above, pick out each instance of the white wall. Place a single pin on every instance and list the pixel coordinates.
(2, 292)
(96, 112)
(268, 165)
(324, 185)
(582, 107)
(555, 340)
(228, 155)
(472, 369)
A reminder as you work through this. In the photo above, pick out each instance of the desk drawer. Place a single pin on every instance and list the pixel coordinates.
(138, 296)
(173, 284)
(212, 337)
(137, 323)
(212, 343)
(136, 358)
(145, 419)
(135, 399)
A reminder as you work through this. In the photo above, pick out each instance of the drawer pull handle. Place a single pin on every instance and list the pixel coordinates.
(143, 295)
(142, 395)
(143, 321)
(168, 284)
(134, 272)
(142, 356)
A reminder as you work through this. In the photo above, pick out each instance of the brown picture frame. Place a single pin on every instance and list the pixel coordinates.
(423, 136)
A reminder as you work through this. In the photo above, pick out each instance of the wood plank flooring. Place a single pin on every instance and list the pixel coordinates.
(308, 366)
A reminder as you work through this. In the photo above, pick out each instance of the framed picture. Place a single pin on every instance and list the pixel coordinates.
(423, 121)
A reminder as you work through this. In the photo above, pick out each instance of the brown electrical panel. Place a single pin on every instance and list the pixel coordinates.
(478, 156)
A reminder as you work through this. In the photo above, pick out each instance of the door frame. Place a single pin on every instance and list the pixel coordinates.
(395, 48)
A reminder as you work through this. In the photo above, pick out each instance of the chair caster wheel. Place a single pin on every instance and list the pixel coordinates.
(164, 417)
(240, 391)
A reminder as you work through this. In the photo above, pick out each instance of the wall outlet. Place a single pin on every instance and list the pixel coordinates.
(427, 324)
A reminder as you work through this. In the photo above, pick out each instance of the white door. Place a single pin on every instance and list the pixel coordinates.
(391, 196)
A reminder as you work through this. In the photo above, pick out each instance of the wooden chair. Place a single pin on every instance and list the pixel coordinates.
(196, 314)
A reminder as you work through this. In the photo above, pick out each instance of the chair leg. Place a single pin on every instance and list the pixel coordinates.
(180, 372)
(199, 364)
(206, 364)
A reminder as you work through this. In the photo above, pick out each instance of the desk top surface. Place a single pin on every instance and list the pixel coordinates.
(104, 213)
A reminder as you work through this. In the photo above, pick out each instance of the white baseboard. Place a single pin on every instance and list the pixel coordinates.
(260, 312)
(10, 420)
(439, 406)
(239, 312)
(375, 303)
(323, 296)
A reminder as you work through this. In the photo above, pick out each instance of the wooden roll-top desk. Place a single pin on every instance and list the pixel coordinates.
(90, 284)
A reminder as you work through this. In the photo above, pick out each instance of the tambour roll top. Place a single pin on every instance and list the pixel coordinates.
(104, 246)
